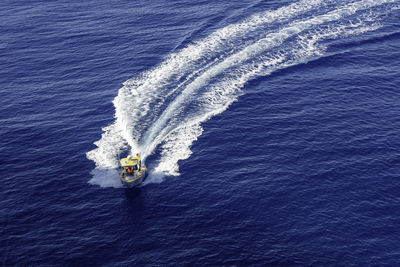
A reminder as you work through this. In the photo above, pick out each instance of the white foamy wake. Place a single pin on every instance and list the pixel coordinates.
(164, 107)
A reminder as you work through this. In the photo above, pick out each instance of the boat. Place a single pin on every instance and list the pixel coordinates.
(132, 171)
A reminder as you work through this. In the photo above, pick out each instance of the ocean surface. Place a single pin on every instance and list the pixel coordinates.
(270, 130)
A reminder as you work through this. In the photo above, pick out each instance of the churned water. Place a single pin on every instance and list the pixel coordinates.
(269, 128)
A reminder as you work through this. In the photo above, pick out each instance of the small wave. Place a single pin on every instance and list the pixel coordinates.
(105, 178)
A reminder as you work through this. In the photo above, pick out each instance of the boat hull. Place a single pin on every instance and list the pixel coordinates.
(131, 181)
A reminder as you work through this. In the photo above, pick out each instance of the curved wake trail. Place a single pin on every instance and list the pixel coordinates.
(165, 107)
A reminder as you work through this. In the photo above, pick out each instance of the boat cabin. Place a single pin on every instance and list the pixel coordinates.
(130, 165)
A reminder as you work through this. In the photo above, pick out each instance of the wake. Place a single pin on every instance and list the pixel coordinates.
(164, 107)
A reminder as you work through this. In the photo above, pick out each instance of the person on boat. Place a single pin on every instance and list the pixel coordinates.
(130, 170)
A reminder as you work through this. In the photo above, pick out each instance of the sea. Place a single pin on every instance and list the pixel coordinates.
(270, 131)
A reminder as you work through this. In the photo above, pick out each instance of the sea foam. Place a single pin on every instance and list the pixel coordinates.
(165, 107)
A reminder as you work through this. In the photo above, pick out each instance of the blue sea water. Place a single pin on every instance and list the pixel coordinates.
(269, 128)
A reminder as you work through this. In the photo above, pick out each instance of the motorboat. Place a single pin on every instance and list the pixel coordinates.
(132, 171)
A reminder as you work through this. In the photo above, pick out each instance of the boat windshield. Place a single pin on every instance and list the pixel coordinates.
(129, 162)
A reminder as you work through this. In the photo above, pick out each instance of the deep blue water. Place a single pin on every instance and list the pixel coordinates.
(269, 128)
